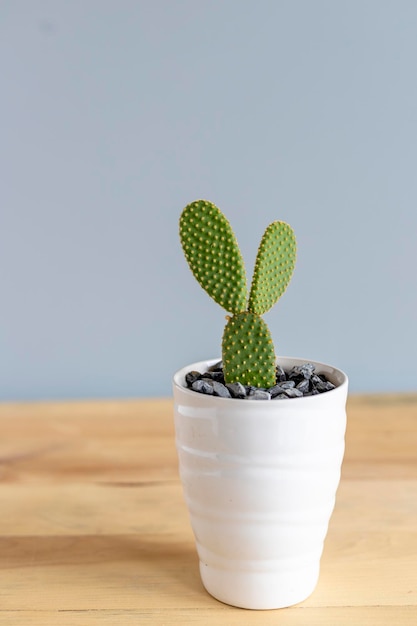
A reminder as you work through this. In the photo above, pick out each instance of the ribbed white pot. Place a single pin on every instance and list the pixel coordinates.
(260, 480)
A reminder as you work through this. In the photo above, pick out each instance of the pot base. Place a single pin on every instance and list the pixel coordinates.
(259, 590)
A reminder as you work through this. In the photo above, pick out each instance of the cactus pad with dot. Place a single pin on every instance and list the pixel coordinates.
(274, 266)
(248, 352)
(213, 254)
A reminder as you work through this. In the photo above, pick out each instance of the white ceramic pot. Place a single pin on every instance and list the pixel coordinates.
(260, 479)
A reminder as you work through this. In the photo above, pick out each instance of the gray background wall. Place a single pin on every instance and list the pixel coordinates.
(115, 114)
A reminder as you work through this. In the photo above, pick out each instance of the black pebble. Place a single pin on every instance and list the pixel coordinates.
(203, 386)
(293, 393)
(191, 377)
(281, 375)
(220, 390)
(303, 385)
(287, 384)
(237, 390)
(258, 394)
(215, 375)
(275, 390)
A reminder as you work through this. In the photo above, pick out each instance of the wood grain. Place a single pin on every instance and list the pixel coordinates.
(93, 528)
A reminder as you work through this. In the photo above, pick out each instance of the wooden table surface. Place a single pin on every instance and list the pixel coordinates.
(94, 530)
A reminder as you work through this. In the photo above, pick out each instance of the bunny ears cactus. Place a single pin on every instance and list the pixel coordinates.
(213, 254)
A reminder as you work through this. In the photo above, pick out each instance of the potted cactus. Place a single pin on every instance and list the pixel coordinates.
(260, 439)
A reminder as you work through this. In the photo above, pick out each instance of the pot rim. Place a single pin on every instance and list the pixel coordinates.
(337, 376)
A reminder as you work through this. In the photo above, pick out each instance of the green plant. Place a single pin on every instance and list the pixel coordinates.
(213, 255)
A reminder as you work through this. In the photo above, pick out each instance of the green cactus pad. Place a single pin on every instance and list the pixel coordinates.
(213, 254)
(274, 266)
(248, 351)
